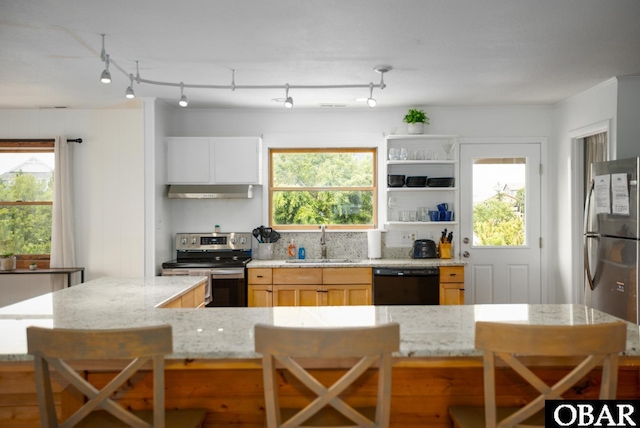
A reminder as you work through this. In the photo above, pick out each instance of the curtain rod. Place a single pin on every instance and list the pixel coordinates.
(44, 140)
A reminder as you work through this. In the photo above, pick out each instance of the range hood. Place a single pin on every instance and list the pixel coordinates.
(211, 191)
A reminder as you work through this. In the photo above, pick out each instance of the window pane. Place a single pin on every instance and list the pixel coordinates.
(25, 229)
(322, 207)
(26, 177)
(499, 201)
(322, 169)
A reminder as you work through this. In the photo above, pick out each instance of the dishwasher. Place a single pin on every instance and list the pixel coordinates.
(406, 286)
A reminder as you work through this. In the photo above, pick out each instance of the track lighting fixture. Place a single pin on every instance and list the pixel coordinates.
(106, 76)
(129, 93)
(183, 98)
(371, 102)
(288, 101)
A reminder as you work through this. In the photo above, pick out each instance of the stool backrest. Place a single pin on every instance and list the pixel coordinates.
(591, 344)
(370, 344)
(56, 347)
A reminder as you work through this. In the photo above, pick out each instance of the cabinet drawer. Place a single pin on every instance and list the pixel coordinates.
(346, 276)
(297, 276)
(260, 276)
(451, 273)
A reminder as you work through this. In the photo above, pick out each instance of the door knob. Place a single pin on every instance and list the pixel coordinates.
(466, 254)
(465, 240)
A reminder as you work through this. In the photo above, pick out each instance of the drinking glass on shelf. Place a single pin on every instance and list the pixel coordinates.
(448, 149)
(392, 203)
(393, 153)
(403, 153)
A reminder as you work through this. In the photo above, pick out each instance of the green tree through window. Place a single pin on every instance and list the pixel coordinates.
(26, 198)
(323, 186)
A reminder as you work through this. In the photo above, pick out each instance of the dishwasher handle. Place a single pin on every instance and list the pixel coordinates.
(430, 271)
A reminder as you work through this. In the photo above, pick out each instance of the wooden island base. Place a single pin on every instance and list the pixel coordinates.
(422, 390)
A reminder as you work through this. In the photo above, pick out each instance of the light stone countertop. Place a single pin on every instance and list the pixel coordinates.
(351, 262)
(227, 333)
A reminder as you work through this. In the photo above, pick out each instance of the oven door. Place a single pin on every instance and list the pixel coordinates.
(228, 287)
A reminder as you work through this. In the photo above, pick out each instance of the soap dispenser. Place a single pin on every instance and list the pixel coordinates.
(292, 251)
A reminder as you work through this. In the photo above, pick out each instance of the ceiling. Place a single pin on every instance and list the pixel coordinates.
(443, 52)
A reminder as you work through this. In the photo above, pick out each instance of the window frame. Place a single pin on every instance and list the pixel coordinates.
(373, 188)
(28, 146)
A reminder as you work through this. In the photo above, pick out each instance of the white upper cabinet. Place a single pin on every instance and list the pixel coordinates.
(236, 160)
(215, 160)
(188, 160)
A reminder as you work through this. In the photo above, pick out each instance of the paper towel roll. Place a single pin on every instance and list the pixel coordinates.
(374, 243)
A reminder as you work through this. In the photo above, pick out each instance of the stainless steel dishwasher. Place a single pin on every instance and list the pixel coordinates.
(406, 286)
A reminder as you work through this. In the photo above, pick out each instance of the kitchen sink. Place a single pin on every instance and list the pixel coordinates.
(329, 261)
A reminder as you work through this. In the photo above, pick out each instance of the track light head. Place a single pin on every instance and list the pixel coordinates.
(371, 102)
(129, 93)
(105, 77)
(183, 98)
(288, 102)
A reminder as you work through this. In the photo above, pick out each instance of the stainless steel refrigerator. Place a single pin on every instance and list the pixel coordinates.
(611, 239)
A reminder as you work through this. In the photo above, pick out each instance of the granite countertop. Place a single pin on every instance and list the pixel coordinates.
(227, 333)
(351, 262)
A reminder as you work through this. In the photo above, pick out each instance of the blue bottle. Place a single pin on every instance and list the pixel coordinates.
(301, 253)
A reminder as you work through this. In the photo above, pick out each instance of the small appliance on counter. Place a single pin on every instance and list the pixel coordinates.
(424, 249)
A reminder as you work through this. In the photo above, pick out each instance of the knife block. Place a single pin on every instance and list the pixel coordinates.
(445, 250)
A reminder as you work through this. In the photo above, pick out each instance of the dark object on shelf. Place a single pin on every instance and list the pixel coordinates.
(440, 182)
(395, 180)
(418, 181)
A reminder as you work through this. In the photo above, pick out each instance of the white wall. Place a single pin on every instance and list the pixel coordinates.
(596, 105)
(158, 217)
(108, 181)
(628, 129)
(202, 215)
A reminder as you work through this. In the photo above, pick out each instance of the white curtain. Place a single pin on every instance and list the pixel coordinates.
(63, 252)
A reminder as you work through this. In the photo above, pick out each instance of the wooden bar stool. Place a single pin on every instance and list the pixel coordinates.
(594, 344)
(55, 347)
(283, 345)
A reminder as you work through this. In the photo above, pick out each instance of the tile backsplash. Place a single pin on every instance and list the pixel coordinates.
(351, 245)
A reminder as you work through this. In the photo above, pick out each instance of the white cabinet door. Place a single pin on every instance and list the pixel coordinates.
(188, 160)
(236, 160)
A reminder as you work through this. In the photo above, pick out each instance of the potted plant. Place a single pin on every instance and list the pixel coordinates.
(7, 261)
(416, 119)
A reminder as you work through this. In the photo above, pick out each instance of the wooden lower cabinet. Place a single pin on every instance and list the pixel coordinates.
(452, 285)
(309, 287)
(193, 298)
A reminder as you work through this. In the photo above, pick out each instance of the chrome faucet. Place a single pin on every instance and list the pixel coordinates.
(323, 242)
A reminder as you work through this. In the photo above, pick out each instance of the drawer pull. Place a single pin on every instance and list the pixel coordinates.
(452, 274)
(260, 276)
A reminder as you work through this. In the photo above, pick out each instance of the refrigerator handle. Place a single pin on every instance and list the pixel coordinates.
(587, 235)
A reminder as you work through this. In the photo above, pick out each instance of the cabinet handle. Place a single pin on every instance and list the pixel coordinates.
(260, 276)
(269, 291)
(452, 274)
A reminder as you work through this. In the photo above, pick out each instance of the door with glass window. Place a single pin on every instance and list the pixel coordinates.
(500, 222)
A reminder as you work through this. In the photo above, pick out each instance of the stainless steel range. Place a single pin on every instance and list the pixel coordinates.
(222, 257)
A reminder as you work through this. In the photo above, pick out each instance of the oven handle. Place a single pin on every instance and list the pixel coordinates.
(227, 273)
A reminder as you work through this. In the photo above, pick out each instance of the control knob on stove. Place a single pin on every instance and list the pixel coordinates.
(234, 240)
(184, 240)
(243, 240)
(194, 240)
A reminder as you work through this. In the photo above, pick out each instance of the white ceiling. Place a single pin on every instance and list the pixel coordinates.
(443, 52)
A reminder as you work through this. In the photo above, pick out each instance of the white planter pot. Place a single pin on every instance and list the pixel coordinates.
(415, 128)
(8, 263)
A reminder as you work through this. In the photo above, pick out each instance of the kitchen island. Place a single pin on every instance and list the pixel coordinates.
(213, 364)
